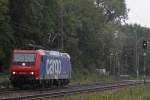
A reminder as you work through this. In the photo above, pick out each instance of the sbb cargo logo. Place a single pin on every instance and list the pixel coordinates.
(53, 66)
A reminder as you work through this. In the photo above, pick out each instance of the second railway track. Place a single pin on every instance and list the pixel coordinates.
(47, 93)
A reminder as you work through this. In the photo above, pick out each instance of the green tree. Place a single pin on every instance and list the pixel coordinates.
(6, 34)
(88, 27)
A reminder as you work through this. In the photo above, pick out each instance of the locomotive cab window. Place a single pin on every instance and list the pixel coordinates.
(20, 58)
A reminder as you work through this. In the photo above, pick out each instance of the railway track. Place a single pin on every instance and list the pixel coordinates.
(5, 90)
(11, 90)
(47, 93)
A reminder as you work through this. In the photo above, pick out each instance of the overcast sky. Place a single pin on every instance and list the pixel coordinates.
(139, 12)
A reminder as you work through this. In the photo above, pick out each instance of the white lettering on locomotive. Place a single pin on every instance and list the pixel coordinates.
(53, 66)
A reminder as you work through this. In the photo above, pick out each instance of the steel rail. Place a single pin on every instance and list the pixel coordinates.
(13, 90)
(73, 90)
(6, 90)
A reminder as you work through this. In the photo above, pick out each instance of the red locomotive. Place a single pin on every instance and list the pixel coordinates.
(40, 68)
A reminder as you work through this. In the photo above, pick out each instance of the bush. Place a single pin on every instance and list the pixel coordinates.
(4, 80)
(146, 97)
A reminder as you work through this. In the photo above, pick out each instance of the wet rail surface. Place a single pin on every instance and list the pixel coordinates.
(35, 94)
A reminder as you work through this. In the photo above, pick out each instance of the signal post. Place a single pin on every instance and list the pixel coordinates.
(144, 45)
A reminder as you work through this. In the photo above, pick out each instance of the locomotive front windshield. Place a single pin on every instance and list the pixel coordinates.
(28, 59)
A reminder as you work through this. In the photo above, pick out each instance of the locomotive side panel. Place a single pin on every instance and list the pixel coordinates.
(55, 67)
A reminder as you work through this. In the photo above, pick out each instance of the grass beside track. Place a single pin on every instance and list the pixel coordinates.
(90, 78)
(4, 80)
(130, 93)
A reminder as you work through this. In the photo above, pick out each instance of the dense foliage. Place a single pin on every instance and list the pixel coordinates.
(6, 33)
(93, 33)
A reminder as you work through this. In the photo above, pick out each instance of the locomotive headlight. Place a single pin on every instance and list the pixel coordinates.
(32, 73)
(13, 73)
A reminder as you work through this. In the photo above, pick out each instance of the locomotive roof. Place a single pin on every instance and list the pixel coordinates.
(44, 52)
(54, 53)
(24, 51)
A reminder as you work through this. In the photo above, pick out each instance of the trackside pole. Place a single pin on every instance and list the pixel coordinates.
(144, 76)
(144, 45)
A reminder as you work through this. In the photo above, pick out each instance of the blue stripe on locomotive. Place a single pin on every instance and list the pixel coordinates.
(55, 67)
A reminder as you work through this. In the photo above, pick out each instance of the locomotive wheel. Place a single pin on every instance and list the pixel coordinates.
(59, 84)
